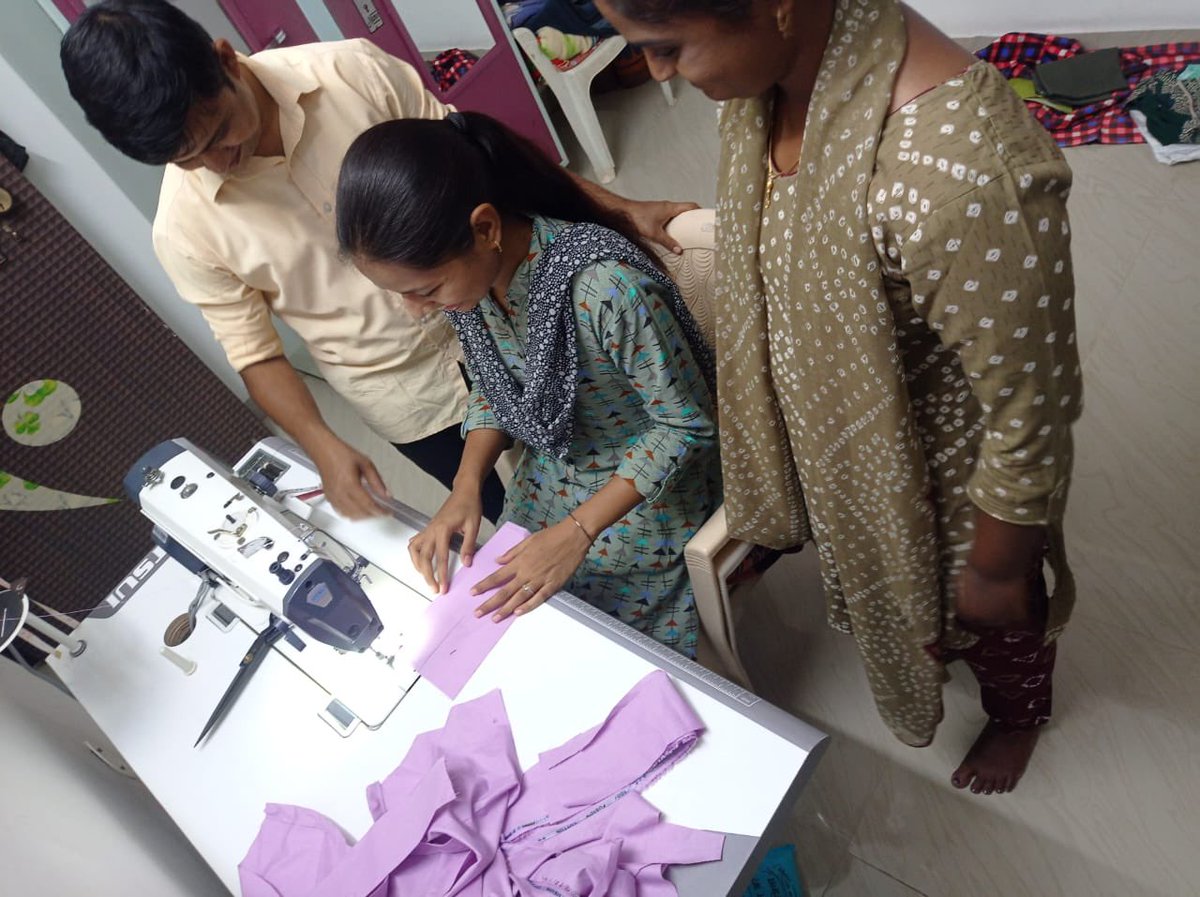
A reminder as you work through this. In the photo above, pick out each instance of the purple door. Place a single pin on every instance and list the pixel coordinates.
(71, 9)
(278, 23)
(498, 85)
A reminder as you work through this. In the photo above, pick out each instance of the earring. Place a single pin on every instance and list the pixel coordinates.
(496, 246)
(783, 21)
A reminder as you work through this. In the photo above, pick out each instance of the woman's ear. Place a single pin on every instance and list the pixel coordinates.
(487, 225)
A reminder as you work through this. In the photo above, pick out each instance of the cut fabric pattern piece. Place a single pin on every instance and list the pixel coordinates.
(1018, 55)
(453, 641)
(458, 817)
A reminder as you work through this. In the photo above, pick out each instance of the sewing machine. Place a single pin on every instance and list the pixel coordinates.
(239, 528)
(294, 736)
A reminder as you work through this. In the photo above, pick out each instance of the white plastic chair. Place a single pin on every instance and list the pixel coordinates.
(573, 88)
(712, 556)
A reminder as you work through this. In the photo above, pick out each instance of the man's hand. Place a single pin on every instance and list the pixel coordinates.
(279, 391)
(343, 471)
(651, 219)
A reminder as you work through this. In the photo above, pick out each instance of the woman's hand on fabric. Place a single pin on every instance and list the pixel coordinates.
(430, 550)
(533, 571)
(652, 217)
(984, 603)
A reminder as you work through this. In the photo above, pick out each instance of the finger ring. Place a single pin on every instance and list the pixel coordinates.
(528, 588)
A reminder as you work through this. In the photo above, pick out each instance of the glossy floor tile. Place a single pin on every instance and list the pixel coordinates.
(864, 880)
(1108, 806)
(661, 151)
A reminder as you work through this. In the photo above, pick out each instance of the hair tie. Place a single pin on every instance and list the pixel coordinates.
(458, 120)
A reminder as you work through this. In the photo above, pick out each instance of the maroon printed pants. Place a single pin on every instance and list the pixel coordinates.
(1015, 670)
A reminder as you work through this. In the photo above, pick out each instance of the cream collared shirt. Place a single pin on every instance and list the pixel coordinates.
(261, 241)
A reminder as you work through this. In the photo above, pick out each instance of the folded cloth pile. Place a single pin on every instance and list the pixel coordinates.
(569, 16)
(1083, 79)
(1104, 120)
(1166, 109)
(458, 817)
(451, 66)
(564, 50)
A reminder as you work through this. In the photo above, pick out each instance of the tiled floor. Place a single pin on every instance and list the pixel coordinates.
(1111, 803)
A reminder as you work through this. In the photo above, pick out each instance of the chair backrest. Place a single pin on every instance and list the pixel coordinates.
(694, 270)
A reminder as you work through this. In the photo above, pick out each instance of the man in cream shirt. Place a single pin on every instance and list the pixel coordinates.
(245, 224)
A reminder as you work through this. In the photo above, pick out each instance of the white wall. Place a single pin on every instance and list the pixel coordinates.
(969, 18)
(441, 24)
(69, 824)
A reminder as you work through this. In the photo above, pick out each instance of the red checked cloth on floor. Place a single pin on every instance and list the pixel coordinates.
(451, 66)
(1017, 54)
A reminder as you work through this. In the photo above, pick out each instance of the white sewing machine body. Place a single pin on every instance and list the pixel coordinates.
(351, 618)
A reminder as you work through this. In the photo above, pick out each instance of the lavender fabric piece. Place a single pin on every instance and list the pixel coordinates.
(649, 730)
(293, 845)
(456, 641)
(455, 817)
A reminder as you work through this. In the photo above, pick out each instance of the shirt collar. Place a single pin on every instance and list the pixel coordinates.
(286, 85)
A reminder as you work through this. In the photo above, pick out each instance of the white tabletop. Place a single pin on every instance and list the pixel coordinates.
(560, 669)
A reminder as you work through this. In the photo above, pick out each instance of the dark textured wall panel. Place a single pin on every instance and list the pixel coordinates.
(66, 315)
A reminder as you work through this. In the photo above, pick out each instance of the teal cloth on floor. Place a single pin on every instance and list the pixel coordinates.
(777, 876)
(1171, 106)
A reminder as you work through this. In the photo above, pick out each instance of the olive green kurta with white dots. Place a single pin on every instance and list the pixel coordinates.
(900, 350)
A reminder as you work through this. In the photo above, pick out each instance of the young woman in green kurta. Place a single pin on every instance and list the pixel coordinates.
(577, 345)
(896, 353)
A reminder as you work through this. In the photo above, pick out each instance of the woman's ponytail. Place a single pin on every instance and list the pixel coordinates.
(408, 187)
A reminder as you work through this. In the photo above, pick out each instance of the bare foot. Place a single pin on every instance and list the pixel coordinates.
(996, 761)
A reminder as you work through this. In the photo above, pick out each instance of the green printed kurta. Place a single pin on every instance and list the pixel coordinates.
(642, 412)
